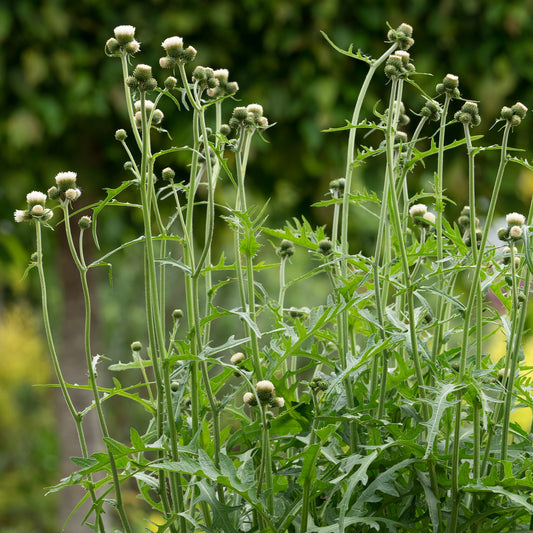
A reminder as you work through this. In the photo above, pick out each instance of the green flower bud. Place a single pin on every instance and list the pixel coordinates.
(225, 130)
(277, 401)
(132, 47)
(173, 46)
(450, 82)
(503, 234)
(84, 222)
(124, 34)
(188, 54)
(112, 46)
(249, 399)
(175, 386)
(240, 114)
(265, 390)
(325, 247)
(237, 358)
(391, 71)
(170, 83)
(121, 135)
(132, 82)
(506, 113)
(519, 109)
(431, 110)
(167, 62)
(149, 85)
(53, 193)
(136, 346)
(168, 174)
(177, 314)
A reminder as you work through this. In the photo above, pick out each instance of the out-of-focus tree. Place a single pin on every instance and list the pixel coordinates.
(62, 97)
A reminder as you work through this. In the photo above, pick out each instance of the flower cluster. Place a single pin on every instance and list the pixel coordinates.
(514, 114)
(450, 86)
(36, 208)
(250, 117)
(224, 87)
(513, 231)
(157, 114)
(286, 249)
(431, 110)
(264, 392)
(176, 53)
(142, 79)
(123, 42)
(65, 188)
(421, 216)
(399, 65)
(336, 187)
(464, 224)
(402, 35)
(468, 114)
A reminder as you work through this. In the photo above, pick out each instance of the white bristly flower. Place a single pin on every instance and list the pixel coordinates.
(20, 215)
(36, 197)
(515, 219)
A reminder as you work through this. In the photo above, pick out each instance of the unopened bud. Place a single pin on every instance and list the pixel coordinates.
(265, 390)
(249, 399)
(84, 222)
(121, 135)
(237, 358)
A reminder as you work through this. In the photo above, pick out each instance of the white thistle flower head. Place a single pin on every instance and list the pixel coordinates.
(221, 74)
(72, 194)
(265, 390)
(255, 109)
(66, 180)
(418, 210)
(515, 232)
(278, 402)
(36, 197)
(249, 398)
(124, 33)
(148, 105)
(515, 219)
(20, 215)
(173, 46)
(37, 210)
(429, 217)
(47, 215)
(237, 358)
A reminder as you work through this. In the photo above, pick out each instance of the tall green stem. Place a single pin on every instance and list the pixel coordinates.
(91, 365)
(77, 417)
(452, 526)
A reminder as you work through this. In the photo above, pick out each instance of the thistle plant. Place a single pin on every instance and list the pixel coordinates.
(382, 407)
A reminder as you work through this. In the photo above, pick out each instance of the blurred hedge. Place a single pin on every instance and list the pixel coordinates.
(62, 99)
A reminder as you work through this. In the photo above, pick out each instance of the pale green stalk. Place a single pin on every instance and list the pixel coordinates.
(452, 526)
(76, 416)
(91, 364)
(439, 209)
(265, 468)
(306, 500)
(154, 319)
(396, 224)
(517, 321)
(343, 321)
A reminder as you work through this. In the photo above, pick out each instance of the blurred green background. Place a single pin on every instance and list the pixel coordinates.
(61, 99)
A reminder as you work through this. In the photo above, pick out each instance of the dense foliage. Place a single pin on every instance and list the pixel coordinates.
(376, 408)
